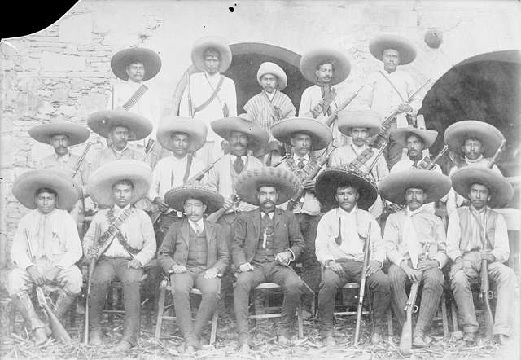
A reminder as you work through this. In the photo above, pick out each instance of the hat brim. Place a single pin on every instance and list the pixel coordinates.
(100, 182)
(400, 135)
(490, 137)
(320, 133)
(76, 133)
(435, 185)
(282, 78)
(218, 43)
(368, 119)
(500, 190)
(177, 197)
(195, 129)
(101, 122)
(311, 59)
(247, 184)
(257, 137)
(26, 185)
(384, 42)
(330, 179)
(123, 58)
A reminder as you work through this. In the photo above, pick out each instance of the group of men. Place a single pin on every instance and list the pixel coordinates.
(227, 206)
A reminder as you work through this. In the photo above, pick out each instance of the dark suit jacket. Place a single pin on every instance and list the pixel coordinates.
(175, 246)
(246, 233)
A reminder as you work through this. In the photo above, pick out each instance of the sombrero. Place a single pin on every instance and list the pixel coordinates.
(102, 121)
(26, 185)
(218, 43)
(320, 133)
(274, 69)
(123, 58)
(75, 132)
(499, 188)
(247, 184)
(330, 179)
(456, 134)
(393, 186)
(400, 135)
(100, 182)
(398, 43)
(195, 129)
(257, 136)
(177, 196)
(359, 119)
(311, 59)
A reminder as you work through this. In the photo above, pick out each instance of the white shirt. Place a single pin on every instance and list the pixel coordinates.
(197, 226)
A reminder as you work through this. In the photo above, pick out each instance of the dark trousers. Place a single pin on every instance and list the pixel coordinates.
(105, 271)
(181, 286)
(378, 282)
(292, 287)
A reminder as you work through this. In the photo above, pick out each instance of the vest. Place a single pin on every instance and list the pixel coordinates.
(466, 233)
(197, 249)
(265, 254)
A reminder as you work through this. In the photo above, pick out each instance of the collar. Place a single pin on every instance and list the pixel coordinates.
(39, 213)
(270, 214)
(199, 223)
(479, 159)
(298, 158)
(358, 149)
(270, 96)
(348, 213)
(64, 158)
(118, 210)
(481, 212)
(243, 157)
(414, 212)
(119, 152)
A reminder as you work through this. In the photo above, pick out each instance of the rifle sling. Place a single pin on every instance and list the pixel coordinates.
(212, 97)
(393, 86)
(112, 231)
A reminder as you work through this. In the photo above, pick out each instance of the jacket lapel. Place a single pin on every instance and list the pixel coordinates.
(256, 226)
(185, 232)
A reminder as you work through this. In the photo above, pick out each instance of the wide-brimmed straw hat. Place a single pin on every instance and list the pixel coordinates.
(76, 133)
(275, 70)
(434, 184)
(194, 128)
(320, 133)
(123, 58)
(215, 42)
(313, 58)
(177, 196)
(247, 184)
(101, 181)
(330, 179)
(400, 135)
(490, 137)
(101, 122)
(257, 136)
(500, 190)
(26, 185)
(369, 119)
(387, 41)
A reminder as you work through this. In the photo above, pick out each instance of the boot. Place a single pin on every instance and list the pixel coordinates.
(24, 304)
(63, 303)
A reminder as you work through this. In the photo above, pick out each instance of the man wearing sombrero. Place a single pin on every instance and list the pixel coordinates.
(46, 245)
(415, 241)
(325, 68)
(476, 233)
(121, 239)
(194, 253)
(265, 241)
(210, 95)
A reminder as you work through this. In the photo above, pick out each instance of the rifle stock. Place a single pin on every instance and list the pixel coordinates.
(342, 106)
(92, 264)
(58, 331)
(406, 338)
(484, 289)
(363, 279)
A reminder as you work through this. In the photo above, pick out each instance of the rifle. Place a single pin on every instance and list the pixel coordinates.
(81, 159)
(428, 164)
(216, 215)
(331, 118)
(362, 285)
(58, 331)
(92, 264)
(202, 173)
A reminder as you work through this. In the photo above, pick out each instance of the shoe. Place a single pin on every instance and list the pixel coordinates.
(184, 348)
(329, 340)
(123, 346)
(469, 338)
(376, 339)
(501, 339)
(244, 348)
(283, 340)
(95, 338)
(39, 336)
(420, 341)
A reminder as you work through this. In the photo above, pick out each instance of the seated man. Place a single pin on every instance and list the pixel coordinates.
(468, 247)
(415, 240)
(46, 245)
(194, 253)
(342, 235)
(265, 241)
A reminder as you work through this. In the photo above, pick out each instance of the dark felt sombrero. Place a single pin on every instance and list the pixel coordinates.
(247, 184)
(123, 58)
(177, 196)
(330, 179)
(257, 136)
(311, 59)
(100, 182)
(490, 137)
(76, 133)
(275, 70)
(320, 133)
(369, 119)
(400, 135)
(215, 42)
(101, 122)
(26, 185)
(195, 129)
(500, 190)
(393, 186)
(398, 43)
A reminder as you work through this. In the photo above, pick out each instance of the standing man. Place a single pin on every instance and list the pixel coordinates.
(210, 95)
(46, 245)
(416, 244)
(325, 68)
(121, 239)
(265, 241)
(476, 233)
(195, 253)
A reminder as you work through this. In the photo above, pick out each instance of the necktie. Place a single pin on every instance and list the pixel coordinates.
(338, 239)
(268, 229)
(238, 165)
(301, 163)
(197, 228)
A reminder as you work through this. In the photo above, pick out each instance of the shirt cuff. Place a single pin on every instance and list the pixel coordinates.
(292, 255)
